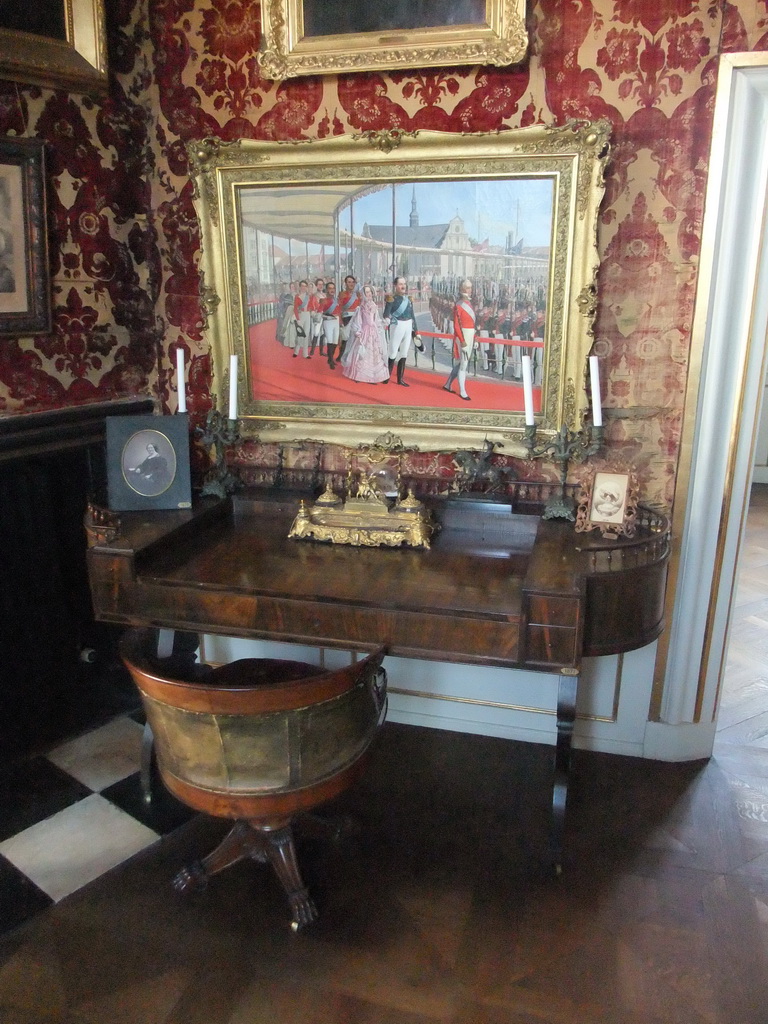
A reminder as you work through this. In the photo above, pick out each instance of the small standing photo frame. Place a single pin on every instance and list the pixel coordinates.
(148, 462)
(607, 500)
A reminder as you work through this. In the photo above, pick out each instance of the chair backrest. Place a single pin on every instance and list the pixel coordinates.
(255, 727)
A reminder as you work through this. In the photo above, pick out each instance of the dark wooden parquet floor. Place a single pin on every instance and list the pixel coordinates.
(436, 909)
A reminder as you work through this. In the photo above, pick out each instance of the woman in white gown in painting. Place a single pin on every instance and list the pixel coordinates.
(365, 358)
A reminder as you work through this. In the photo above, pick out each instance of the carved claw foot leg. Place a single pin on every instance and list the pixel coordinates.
(190, 878)
(272, 842)
(234, 846)
(279, 847)
(303, 910)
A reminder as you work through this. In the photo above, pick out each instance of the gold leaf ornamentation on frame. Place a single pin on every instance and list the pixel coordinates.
(77, 62)
(607, 499)
(264, 206)
(492, 33)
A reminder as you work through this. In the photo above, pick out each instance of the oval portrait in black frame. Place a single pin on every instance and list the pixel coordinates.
(148, 463)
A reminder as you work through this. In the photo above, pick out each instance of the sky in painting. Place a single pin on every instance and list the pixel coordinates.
(490, 209)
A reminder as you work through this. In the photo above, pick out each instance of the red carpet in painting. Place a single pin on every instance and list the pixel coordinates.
(280, 377)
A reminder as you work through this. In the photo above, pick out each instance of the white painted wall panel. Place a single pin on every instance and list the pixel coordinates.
(760, 474)
(614, 693)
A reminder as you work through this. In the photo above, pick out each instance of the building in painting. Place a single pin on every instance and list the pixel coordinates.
(447, 252)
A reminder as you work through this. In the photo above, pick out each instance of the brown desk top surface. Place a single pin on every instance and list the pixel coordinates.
(461, 573)
(231, 569)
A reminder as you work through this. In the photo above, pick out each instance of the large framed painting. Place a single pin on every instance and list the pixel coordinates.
(310, 37)
(55, 43)
(315, 255)
(25, 290)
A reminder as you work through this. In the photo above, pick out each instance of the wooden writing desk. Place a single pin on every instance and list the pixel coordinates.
(494, 589)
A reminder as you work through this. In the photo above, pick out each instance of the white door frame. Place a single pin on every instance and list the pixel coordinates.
(726, 373)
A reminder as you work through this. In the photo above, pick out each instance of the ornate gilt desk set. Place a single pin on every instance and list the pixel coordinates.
(365, 519)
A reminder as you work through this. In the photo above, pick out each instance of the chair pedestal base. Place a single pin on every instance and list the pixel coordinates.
(267, 843)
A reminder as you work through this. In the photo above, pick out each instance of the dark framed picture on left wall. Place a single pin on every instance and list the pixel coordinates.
(25, 285)
(60, 44)
(148, 462)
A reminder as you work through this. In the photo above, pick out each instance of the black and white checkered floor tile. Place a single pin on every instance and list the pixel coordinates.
(70, 816)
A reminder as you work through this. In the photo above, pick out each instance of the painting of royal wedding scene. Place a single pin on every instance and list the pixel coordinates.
(409, 294)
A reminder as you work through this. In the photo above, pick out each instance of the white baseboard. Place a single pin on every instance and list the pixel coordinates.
(684, 742)
(507, 703)
(536, 732)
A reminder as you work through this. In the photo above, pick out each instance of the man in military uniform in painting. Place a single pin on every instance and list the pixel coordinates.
(349, 300)
(464, 325)
(485, 319)
(400, 321)
(316, 303)
(331, 314)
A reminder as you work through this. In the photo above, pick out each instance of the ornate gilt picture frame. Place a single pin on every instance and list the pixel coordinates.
(311, 37)
(274, 214)
(607, 499)
(74, 57)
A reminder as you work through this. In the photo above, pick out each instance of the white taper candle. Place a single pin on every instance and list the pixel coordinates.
(233, 387)
(180, 388)
(528, 391)
(594, 377)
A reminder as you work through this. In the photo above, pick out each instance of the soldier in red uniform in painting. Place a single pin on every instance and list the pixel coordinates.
(485, 320)
(464, 319)
(349, 301)
(496, 330)
(331, 312)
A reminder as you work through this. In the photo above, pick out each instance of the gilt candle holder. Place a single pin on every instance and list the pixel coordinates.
(566, 446)
(220, 434)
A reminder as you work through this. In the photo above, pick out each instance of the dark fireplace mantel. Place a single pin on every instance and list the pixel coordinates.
(56, 430)
(51, 463)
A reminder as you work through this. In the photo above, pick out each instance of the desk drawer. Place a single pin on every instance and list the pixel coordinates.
(551, 646)
(407, 633)
(553, 611)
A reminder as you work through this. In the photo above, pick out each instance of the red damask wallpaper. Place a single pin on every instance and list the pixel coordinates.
(124, 236)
